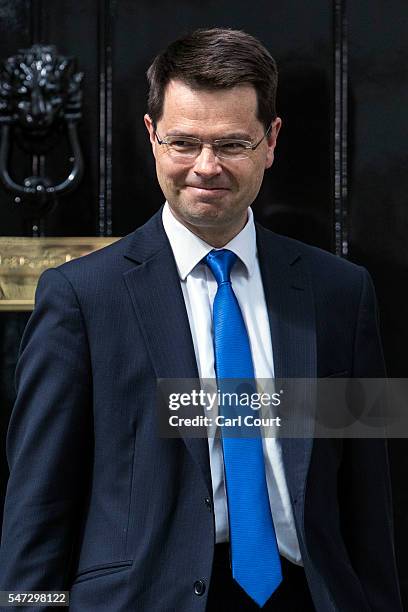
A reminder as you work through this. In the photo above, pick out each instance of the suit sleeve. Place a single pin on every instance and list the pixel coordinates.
(365, 485)
(48, 443)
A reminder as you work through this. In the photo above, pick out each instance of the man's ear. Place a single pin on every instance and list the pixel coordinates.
(150, 128)
(271, 141)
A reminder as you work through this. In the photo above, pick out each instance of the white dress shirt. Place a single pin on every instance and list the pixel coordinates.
(199, 288)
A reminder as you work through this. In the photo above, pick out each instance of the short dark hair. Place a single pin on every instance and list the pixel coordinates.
(212, 59)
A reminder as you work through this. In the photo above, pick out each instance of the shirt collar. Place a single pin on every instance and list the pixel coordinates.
(188, 249)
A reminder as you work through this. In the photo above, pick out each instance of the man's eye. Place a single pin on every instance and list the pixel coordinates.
(182, 144)
(232, 146)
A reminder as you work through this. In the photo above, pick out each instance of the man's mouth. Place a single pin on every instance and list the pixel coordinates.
(206, 189)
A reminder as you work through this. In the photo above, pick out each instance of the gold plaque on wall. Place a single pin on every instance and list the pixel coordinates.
(22, 260)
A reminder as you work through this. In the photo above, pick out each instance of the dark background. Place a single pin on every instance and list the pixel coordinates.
(340, 177)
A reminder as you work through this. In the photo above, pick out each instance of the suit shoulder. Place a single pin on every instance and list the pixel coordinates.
(108, 257)
(90, 274)
(319, 260)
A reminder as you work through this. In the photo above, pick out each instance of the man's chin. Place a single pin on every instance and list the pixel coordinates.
(204, 212)
(209, 216)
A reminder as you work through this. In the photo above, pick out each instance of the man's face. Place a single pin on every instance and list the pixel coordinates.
(206, 192)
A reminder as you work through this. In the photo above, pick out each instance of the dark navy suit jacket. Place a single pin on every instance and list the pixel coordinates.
(99, 504)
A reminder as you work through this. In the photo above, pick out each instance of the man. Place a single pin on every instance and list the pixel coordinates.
(97, 502)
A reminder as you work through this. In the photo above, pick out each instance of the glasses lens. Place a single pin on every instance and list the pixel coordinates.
(231, 149)
(183, 147)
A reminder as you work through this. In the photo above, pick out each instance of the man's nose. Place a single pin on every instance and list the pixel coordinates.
(207, 163)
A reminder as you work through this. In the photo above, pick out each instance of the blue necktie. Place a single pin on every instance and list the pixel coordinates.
(254, 551)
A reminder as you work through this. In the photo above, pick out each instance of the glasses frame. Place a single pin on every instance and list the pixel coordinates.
(247, 144)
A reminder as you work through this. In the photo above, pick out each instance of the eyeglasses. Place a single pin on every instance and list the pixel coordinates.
(188, 147)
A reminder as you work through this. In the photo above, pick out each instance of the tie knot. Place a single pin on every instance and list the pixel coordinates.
(220, 263)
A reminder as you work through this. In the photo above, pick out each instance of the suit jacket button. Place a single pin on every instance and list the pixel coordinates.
(208, 503)
(199, 587)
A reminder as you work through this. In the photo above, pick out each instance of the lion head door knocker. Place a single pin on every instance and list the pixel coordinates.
(40, 105)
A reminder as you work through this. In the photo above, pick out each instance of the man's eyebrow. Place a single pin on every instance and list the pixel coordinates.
(235, 136)
(227, 135)
(180, 133)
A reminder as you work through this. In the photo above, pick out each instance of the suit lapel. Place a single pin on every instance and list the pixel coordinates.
(290, 306)
(158, 301)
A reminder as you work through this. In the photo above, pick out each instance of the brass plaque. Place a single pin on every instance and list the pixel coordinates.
(22, 260)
